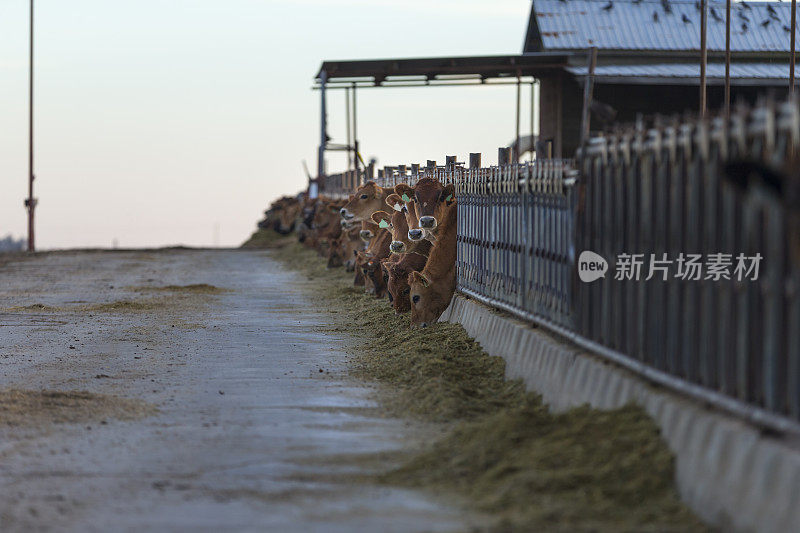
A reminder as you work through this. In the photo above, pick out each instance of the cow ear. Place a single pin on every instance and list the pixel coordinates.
(382, 219)
(405, 191)
(449, 193)
(418, 278)
(395, 202)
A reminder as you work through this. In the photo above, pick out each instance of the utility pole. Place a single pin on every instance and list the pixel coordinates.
(30, 203)
(703, 56)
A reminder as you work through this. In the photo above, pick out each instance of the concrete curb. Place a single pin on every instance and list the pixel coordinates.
(730, 474)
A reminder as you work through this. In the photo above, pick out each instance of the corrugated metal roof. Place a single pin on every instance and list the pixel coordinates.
(628, 25)
(689, 71)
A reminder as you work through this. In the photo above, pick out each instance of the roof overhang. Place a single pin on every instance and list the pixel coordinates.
(431, 71)
(744, 74)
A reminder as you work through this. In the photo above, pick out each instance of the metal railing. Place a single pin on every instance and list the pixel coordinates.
(663, 191)
(732, 343)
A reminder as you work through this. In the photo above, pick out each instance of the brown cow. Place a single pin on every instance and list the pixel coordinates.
(428, 196)
(397, 279)
(432, 289)
(366, 200)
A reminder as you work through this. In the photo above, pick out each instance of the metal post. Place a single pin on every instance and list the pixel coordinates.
(503, 156)
(588, 89)
(323, 125)
(728, 59)
(347, 122)
(450, 162)
(355, 131)
(533, 139)
(516, 138)
(475, 160)
(703, 56)
(30, 203)
(791, 45)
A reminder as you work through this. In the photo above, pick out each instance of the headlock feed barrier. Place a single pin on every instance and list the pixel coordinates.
(685, 301)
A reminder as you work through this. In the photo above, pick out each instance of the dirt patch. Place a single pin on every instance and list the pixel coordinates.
(266, 239)
(28, 408)
(33, 307)
(128, 305)
(505, 452)
(195, 288)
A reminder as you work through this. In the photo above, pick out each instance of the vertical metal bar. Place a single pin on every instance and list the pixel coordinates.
(350, 153)
(516, 122)
(533, 139)
(323, 125)
(728, 59)
(31, 203)
(793, 27)
(357, 154)
(588, 89)
(703, 55)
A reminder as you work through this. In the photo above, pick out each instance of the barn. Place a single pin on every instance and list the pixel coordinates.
(648, 62)
(648, 57)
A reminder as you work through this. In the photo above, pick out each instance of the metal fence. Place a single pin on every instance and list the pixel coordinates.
(663, 191)
(642, 194)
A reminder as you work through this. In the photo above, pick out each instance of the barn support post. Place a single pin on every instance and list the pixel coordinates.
(588, 89)
(728, 59)
(703, 55)
(516, 122)
(323, 126)
(347, 122)
(792, 45)
(357, 154)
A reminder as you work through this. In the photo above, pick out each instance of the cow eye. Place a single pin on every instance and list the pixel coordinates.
(364, 197)
(415, 298)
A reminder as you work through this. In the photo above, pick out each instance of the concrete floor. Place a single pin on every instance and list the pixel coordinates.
(254, 403)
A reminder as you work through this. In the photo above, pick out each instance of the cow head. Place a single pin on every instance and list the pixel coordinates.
(368, 231)
(397, 285)
(428, 300)
(287, 216)
(396, 224)
(362, 258)
(335, 253)
(366, 200)
(429, 198)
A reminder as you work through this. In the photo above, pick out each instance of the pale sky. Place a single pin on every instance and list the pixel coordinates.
(161, 120)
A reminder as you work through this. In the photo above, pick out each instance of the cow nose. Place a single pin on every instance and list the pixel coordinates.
(343, 212)
(427, 222)
(424, 325)
(365, 234)
(397, 247)
(415, 234)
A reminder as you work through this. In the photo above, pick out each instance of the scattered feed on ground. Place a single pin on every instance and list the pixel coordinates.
(265, 239)
(28, 408)
(582, 470)
(195, 288)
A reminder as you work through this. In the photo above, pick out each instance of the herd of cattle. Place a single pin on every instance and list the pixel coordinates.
(400, 241)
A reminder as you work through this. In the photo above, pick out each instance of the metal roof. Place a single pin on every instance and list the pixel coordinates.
(630, 25)
(767, 74)
(403, 72)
